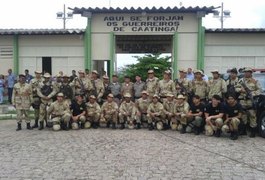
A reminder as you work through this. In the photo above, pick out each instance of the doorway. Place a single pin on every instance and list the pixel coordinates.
(47, 65)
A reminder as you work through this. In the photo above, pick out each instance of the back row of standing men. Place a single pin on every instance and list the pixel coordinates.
(40, 93)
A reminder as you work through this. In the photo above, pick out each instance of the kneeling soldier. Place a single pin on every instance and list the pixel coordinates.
(127, 112)
(60, 113)
(233, 111)
(181, 110)
(21, 100)
(195, 115)
(78, 108)
(93, 111)
(155, 114)
(214, 113)
(142, 106)
(169, 105)
(109, 112)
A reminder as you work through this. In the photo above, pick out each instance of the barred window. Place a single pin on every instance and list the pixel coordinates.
(6, 52)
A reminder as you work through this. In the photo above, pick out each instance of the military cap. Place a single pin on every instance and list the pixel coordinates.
(183, 70)
(37, 72)
(60, 95)
(145, 92)
(47, 75)
(215, 71)
(127, 95)
(167, 72)
(81, 72)
(170, 95)
(95, 71)
(198, 71)
(58, 75)
(180, 97)
(105, 77)
(92, 97)
(150, 71)
(21, 75)
(155, 96)
(110, 95)
(248, 69)
(234, 70)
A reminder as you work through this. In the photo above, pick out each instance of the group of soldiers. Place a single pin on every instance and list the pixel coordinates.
(86, 100)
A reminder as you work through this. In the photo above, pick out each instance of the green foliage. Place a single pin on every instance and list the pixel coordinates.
(149, 61)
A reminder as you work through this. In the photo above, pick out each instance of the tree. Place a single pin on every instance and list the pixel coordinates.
(149, 61)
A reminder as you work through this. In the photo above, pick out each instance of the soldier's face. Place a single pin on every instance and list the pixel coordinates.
(230, 100)
(127, 80)
(65, 80)
(79, 98)
(150, 75)
(233, 75)
(180, 101)
(169, 98)
(166, 76)
(198, 75)
(195, 100)
(155, 100)
(114, 79)
(138, 78)
(215, 75)
(127, 99)
(215, 102)
(106, 81)
(81, 75)
(110, 99)
(94, 76)
(46, 79)
(182, 74)
(60, 98)
(144, 96)
(248, 74)
(22, 79)
(37, 75)
(92, 100)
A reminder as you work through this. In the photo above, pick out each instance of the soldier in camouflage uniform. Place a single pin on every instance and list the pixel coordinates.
(151, 83)
(216, 85)
(181, 110)
(21, 100)
(98, 88)
(127, 111)
(142, 106)
(182, 84)
(248, 88)
(93, 111)
(66, 89)
(198, 86)
(169, 105)
(109, 112)
(127, 86)
(155, 113)
(60, 112)
(45, 91)
(232, 83)
(166, 86)
(107, 89)
(36, 99)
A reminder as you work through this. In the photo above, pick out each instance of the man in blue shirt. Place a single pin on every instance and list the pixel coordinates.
(28, 76)
(190, 74)
(10, 81)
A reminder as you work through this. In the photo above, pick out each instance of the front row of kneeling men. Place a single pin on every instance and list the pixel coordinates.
(175, 114)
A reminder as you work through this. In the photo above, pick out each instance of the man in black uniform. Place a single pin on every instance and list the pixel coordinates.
(78, 109)
(233, 112)
(214, 113)
(195, 115)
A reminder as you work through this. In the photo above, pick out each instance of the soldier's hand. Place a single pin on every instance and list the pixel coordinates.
(243, 90)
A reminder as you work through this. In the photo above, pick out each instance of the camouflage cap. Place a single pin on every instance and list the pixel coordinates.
(248, 69)
(198, 72)
(180, 97)
(167, 72)
(156, 96)
(183, 70)
(21, 75)
(128, 95)
(145, 92)
(95, 71)
(47, 75)
(92, 97)
(110, 95)
(150, 71)
(170, 95)
(105, 77)
(37, 72)
(215, 71)
(81, 72)
(60, 95)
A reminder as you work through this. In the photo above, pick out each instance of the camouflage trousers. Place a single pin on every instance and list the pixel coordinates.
(249, 115)
(232, 125)
(61, 119)
(141, 118)
(113, 117)
(216, 124)
(155, 119)
(194, 122)
(43, 112)
(23, 114)
(123, 118)
(81, 119)
(93, 117)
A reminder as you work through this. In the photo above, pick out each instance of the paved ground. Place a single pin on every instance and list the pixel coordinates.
(126, 154)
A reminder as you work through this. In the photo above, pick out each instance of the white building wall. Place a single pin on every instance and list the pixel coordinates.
(227, 50)
(6, 62)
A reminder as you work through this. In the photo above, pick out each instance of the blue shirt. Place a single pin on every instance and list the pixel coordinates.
(11, 78)
(2, 82)
(28, 78)
(190, 76)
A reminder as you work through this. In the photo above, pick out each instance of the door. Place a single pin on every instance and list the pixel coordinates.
(47, 65)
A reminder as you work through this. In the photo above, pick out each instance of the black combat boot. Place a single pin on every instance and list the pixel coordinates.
(252, 132)
(138, 125)
(183, 130)
(18, 127)
(217, 133)
(122, 126)
(108, 124)
(41, 125)
(66, 126)
(242, 129)
(96, 125)
(113, 126)
(196, 130)
(28, 126)
(235, 136)
(36, 124)
(82, 126)
(150, 127)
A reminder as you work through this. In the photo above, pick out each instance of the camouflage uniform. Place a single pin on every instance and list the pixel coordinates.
(109, 112)
(98, 88)
(127, 112)
(82, 86)
(165, 87)
(159, 115)
(93, 112)
(127, 88)
(21, 99)
(169, 109)
(142, 106)
(216, 86)
(180, 111)
(151, 86)
(199, 87)
(179, 90)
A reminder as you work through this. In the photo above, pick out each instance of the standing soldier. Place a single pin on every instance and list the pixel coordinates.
(214, 113)
(195, 115)
(82, 84)
(217, 85)
(21, 100)
(115, 88)
(66, 89)
(182, 84)
(57, 82)
(169, 105)
(127, 112)
(46, 91)
(232, 83)
(36, 99)
(107, 89)
(93, 111)
(109, 112)
(78, 109)
(233, 111)
(127, 86)
(166, 86)
(138, 87)
(151, 83)
(198, 86)
(155, 114)
(249, 89)
(60, 113)
(181, 110)
(142, 106)
(98, 88)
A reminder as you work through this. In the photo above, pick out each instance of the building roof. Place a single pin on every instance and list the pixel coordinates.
(175, 9)
(236, 30)
(40, 31)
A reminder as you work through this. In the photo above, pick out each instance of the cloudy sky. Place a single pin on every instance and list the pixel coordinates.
(42, 13)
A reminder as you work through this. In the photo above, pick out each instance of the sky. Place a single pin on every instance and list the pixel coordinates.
(40, 14)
